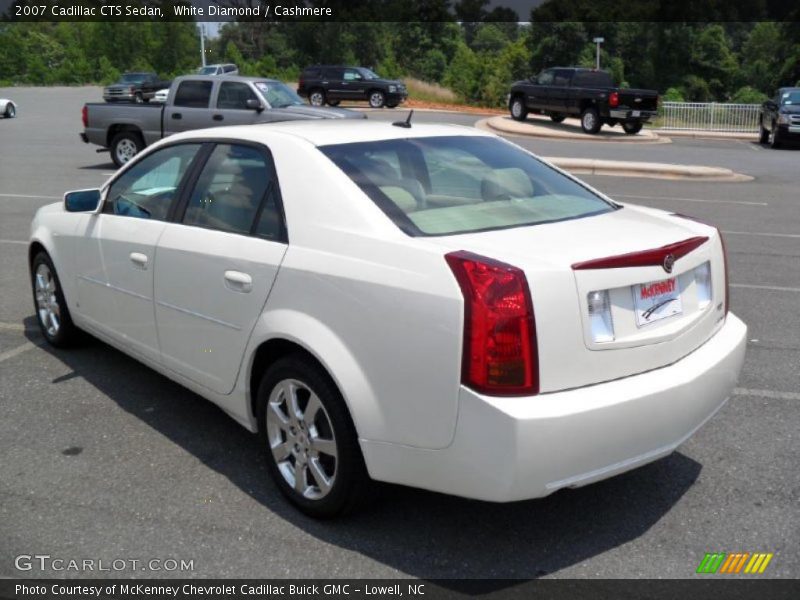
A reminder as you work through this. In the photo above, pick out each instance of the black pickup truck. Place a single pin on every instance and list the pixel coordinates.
(779, 120)
(590, 94)
(135, 87)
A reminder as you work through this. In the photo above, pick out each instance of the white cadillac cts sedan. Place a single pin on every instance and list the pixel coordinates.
(431, 306)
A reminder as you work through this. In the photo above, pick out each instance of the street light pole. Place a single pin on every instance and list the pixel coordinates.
(203, 44)
(598, 41)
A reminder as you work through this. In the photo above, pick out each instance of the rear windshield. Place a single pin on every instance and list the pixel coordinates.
(462, 184)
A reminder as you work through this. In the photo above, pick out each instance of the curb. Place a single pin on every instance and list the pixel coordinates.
(707, 135)
(590, 166)
(505, 125)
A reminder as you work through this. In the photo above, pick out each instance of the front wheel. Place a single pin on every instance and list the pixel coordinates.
(377, 99)
(518, 110)
(310, 440)
(125, 146)
(52, 313)
(590, 121)
(632, 127)
(11, 111)
(763, 134)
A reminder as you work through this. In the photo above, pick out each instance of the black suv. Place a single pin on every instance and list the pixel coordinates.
(332, 84)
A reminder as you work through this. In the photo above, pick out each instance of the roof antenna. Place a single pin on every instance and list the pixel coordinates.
(407, 123)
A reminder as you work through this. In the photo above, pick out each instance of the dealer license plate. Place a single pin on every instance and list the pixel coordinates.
(636, 113)
(656, 300)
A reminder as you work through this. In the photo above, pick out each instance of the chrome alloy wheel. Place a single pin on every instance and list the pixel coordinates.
(301, 439)
(589, 120)
(516, 109)
(376, 99)
(317, 98)
(126, 150)
(46, 302)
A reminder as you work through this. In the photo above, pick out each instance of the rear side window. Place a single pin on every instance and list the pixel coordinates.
(237, 192)
(234, 95)
(147, 189)
(599, 79)
(229, 68)
(193, 94)
(333, 73)
(462, 184)
(562, 77)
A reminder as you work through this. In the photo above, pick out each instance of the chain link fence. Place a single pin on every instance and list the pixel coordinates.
(710, 116)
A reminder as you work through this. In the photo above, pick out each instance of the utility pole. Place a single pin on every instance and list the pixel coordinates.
(598, 41)
(203, 44)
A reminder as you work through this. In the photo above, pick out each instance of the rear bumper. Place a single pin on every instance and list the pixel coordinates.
(627, 114)
(507, 449)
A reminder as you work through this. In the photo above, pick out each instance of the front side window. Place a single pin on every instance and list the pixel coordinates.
(278, 94)
(147, 189)
(193, 94)
(236, 192)
(352, 75)
(234, 95)
(462, 184)
(545, 78)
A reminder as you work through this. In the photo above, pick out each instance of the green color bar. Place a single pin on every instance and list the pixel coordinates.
(712, 568)
(704, 563)
(711, 562)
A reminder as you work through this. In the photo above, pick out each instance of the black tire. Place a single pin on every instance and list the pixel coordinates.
(11, 111)
(124, 146)
(517, 108)
(763, 134)
(334, 102)
(350, 481)
(376, 98)
(316, 97)
(65, 333)
(632, 127)
(590, 120)
(775, 137)
(557, 118)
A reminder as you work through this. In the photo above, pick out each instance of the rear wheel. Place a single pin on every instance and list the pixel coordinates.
(316, 97)
(377, 99)
(52, 313)
(557, 118)
(310, 440)
(125, 146)
(632, 127)
(518, 110)
(590, 120)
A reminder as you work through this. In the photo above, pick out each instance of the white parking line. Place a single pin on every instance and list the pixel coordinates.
(13, 242)
(16, 351)
(29, 196)
(12, 327)
(777, 235)
(701, 200)
(772, 288)
(767, 394)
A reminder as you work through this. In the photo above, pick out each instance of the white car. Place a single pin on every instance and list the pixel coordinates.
(161, 96)
(431, 306)
(7, 108)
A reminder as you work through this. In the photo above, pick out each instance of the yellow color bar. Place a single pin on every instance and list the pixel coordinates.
(764, 564)
(754, 563)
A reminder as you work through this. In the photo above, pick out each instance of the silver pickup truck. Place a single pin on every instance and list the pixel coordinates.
(196, 102)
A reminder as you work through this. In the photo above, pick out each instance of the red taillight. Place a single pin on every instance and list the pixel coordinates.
(500, 355)
(613, 99)
(85, 116)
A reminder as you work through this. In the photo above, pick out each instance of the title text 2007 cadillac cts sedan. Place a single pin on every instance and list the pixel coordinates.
(431, 306)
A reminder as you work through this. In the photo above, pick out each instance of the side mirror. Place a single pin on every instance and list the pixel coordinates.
(254, 104)
(534, 79)
(82, 200)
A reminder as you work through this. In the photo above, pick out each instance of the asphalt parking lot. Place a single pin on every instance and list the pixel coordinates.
(100, 457)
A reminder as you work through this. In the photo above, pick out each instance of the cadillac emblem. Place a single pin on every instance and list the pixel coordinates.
(669, 262)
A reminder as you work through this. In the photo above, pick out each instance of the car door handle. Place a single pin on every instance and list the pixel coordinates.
(139, 259)
(238, 281)
(218, 117)
(177, 116)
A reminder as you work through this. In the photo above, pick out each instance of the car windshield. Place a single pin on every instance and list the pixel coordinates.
(462, 184)
(367, 74)
(207, 70)
(790, 98)
(134, 77)
(278, 94)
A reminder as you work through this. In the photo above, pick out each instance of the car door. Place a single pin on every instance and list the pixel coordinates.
(116, 247)
(537, 94)
(354, 85)
(333, 83)
(231, 104)
(216, 263)
(558, 97)
(190, 107)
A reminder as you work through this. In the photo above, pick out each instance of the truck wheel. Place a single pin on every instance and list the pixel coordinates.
(377, 99)
(518, 110)
(632, 127)
(125, 146)
(557, 117)
(334, 102)
(775, 137)
(763, 134)
(309, 438)
(590, 120)
(316, 97)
